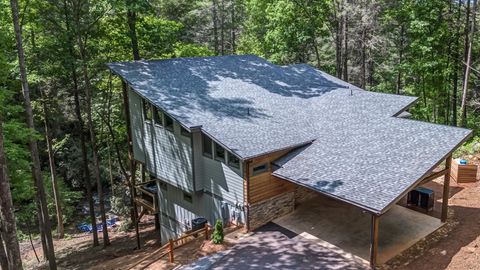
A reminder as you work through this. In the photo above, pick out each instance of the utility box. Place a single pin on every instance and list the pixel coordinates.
(422, 198)
(463, 173)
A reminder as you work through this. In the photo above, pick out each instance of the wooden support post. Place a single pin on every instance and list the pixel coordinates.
(446, 188)
(206, 231)
(374, 241)
(170, 250)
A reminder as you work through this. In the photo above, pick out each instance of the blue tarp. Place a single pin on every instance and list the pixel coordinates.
(87, 227)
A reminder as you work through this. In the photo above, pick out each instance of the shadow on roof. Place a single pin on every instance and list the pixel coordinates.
(212, 83)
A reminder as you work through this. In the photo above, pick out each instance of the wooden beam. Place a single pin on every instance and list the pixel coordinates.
(434, 175)
(446, 189)
(374, 241)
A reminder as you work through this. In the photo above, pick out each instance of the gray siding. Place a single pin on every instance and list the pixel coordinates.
(138, 137)
(216, 189)
(176, 213)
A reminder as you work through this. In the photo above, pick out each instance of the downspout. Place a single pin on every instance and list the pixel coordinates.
(247, 195)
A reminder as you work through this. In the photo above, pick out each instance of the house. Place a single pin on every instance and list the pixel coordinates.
(240, 139)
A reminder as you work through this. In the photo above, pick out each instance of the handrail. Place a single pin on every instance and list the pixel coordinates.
(171, 243)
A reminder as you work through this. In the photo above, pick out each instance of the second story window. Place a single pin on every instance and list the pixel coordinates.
(184, 132)
(233, 161)
(260, 169)
(207, 146)
(158, 116)
(219, 152)
(168, 122)
(147, 111)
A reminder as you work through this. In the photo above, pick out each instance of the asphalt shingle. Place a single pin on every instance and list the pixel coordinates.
(360, 153)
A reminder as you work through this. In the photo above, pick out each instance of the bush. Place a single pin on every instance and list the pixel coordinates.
(217, 237)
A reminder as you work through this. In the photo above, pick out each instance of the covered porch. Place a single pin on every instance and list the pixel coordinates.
(349, 228)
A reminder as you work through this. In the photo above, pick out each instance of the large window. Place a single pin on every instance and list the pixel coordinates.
(233, 161)
(147, 111)
(168, 122)
(158, 116)
(219, 152)
(207, 146)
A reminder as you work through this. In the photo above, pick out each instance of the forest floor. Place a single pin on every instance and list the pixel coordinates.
(76, 251)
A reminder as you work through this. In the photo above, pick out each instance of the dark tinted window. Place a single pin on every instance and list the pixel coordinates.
(219, 152)
(260, 169)
(168, 122)
(147, 110)
(233, 161)
(207, 146)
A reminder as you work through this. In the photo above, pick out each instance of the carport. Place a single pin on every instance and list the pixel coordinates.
(365, 168)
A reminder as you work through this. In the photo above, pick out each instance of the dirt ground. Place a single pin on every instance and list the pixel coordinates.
(457, 244)
(77, 252)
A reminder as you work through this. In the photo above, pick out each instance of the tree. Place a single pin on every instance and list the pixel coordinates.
(8, 232)
(53, 168)
(36, 169)
(217, 236)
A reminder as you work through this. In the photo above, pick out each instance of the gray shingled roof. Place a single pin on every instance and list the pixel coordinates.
(248, 104)
(360, 152)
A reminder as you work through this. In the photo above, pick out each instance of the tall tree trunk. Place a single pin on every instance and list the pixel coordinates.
(36, 169)
(8, 231)
(80, 127)
(233, 27)
(53, 173)
(3, 254)
(222, 27)
(345, 47)
(463, 107)
(338, 39)
(398, 88)
(93, 141)
(215, 27)
(133, 166)
(456, 67)
(132, 21)
(363, 64)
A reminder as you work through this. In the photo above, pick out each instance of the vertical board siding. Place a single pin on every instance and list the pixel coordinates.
(137, 125)
(265, 186)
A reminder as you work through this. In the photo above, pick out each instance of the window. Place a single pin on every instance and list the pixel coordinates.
(207, 146)
(219, 152)
(147, 111)
(187, 197)
(184, 132)
(158, 116)
(259, 169)
(168, 122)
(233, 161)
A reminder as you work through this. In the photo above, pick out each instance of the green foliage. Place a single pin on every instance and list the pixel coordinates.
(217, 236)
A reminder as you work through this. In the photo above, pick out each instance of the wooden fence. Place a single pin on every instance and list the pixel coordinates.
(181, 241)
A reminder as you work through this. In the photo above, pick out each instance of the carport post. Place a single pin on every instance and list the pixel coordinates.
(374, 241)
(446, 188)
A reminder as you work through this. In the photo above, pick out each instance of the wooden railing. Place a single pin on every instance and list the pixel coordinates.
(146, 199)
(181, 241)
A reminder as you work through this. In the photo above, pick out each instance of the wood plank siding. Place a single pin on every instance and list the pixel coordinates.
(264, 186)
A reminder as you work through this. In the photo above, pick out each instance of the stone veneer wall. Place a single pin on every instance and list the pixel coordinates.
(263, 212)
(303, 194)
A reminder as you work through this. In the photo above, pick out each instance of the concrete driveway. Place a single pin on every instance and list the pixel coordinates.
(274, 247)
